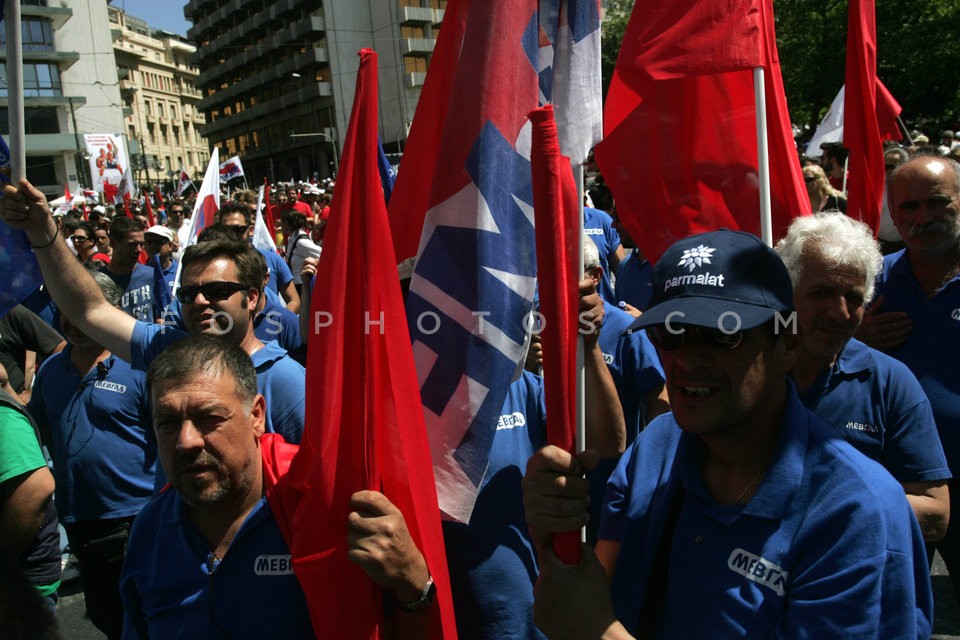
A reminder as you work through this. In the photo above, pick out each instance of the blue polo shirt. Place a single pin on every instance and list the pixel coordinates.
(280, 379)
(599, 226)
(492, 561)
(879, 407)
(102, 443)
(635, 281)
(934, 338)
(827, 547)
(278, 273)
(171, 587)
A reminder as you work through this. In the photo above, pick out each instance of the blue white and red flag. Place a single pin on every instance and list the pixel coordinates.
(231, 169)
(473, 284)
(570, 77)
(184, 182)
(208, 200)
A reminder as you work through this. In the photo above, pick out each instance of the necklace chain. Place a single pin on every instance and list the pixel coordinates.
(752, 482)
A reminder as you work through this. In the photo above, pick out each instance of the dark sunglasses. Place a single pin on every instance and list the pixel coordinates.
(810, 178)
(211, 291)
(76, 239)
(672, 339)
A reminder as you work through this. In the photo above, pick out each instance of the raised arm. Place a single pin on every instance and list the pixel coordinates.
(71, 287)
(605, 426)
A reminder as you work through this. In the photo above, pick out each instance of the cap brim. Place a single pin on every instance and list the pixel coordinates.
(711, 313)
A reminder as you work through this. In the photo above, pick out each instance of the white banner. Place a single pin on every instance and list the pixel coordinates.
(109, 160)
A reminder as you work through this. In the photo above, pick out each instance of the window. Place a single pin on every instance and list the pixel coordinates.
(35, 33)
(173, 111)
(148, 107)
(35, 120)
(160, 110)
(42, 170)
(39, 80)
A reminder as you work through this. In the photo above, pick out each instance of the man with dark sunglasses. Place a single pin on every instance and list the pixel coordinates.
(229, 312)
(740, 514)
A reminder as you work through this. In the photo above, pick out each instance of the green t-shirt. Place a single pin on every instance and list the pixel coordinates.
(20, 453)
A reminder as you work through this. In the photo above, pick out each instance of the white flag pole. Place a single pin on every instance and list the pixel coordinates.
(18, 147)
(579, 421)
(763, 157)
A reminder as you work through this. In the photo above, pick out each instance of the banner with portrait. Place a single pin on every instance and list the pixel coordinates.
(109, 161)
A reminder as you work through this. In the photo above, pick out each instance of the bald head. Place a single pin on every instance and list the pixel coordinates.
(924, 198)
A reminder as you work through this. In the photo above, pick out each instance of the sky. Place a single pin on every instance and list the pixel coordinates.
(158, 14)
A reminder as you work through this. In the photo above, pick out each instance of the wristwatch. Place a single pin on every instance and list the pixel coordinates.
(425, 599)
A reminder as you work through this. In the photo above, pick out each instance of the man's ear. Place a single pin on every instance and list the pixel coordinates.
(253, 297)
(595, 273)
(258, 413)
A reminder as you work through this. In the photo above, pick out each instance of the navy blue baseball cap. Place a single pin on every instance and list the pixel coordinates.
(720, 279)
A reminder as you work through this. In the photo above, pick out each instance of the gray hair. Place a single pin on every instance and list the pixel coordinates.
(110, 289)
(840, 240)
(591, 255)
(209, 355)
(921, 158)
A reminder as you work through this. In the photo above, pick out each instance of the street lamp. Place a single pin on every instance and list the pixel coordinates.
(336, 161)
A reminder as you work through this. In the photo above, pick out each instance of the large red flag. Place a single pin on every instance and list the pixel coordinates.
(888, 111)
(680, 151)
(861, 132)
(557, 217)
(411, 191)
(146, 203)
(365, 426)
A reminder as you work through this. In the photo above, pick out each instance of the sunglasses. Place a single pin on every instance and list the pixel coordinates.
(810, 178)
(211, 291)
(671, 340)
(77, 239)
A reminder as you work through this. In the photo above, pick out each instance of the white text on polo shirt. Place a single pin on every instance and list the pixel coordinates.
(273, 566)
(106, 385)
(758, 569)
(511, 421)
(860, 426)
(707, 279)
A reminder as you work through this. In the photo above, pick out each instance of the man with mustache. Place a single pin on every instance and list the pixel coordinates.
(207, 557)
(873, 400)
(916, 318)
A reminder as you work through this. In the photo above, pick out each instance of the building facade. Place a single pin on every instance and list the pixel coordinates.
(162, 119)
(70, 87)
(277, 77)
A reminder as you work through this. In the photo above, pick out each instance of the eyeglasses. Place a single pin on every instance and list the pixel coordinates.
(78, 239)
(237, 228)
(672, 339)
(211, 291)
(810, 178)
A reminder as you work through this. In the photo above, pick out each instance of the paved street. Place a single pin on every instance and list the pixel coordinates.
(74, 626)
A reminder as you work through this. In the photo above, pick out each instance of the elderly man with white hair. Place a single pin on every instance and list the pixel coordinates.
(873, 400)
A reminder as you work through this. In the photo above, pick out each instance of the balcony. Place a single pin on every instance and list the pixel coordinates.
(417, 46)
(56, 15)
(63, 59)
(416, 16)
(438, 17)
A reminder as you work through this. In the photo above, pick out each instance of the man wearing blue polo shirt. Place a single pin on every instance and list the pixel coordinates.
(220, 288)
(872, 399)
(740, 514)
(916, 318)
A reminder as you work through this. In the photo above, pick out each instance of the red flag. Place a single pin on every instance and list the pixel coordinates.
(66, 193)
(680, 152)
(110, 192)
(411, 192)
(888, 112)
(158, 196)
(365, 425)
(557, 217)
(861, 131)
(268, 211)
(150, 219)
(126, 204)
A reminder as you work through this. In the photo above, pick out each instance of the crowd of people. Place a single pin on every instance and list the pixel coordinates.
(770, 432)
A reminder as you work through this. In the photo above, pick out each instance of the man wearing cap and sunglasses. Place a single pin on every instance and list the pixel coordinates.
(740, 514)
(221, 284)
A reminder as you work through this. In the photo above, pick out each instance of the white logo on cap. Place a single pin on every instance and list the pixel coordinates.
(696, 257)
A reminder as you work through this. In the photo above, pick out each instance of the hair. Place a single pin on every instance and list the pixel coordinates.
(835, 150)
(591, 255)
(294, 218)
(208, 355)
(251, 267)
(924, 156)
(840, 240)
(110, 289)
(219, 232)
(902, 154)
(234, 207)
(247, 196)
(86, 226)
(823, 186)
(69, 225)
(122, 226)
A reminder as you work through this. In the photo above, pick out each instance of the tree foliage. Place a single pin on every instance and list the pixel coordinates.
(918, 55)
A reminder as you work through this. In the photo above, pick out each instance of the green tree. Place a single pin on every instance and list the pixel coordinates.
(611, 35)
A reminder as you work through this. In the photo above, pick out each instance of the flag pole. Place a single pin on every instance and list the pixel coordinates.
(579, 424)
(18, 147)
(763, 157)
(906, 132)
